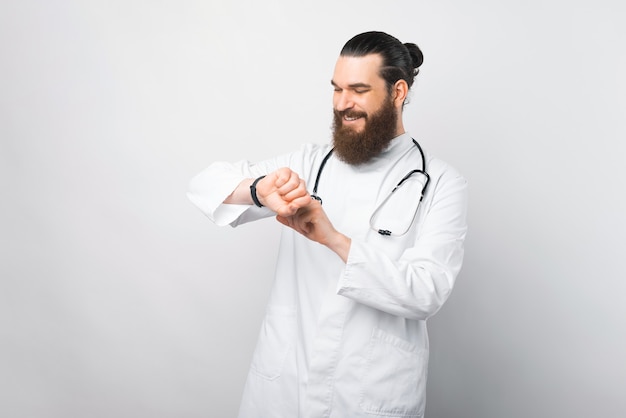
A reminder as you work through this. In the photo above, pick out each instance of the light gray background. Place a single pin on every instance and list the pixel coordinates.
(119, 299)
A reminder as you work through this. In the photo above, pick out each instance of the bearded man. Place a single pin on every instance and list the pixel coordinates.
(361, 270)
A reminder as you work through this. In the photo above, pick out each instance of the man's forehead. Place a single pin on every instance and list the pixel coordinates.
(362, 69)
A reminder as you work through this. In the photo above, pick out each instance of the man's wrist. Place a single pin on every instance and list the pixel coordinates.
(255, 198)
(341, 246)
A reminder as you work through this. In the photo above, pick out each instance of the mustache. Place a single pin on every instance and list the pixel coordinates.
(349, 113)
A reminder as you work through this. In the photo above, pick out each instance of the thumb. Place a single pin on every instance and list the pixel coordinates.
(283, 220)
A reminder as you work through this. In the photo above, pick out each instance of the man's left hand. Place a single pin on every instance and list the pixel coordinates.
(312, 222)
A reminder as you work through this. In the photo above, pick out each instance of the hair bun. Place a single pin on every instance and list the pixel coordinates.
(416, 54)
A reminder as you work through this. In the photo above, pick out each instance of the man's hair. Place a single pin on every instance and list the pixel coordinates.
(400, 61)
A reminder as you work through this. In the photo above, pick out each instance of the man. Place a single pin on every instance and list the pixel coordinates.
(360, 267)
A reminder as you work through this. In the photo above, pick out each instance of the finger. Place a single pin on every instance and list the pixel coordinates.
(282, 177)
(316, 203)
(300, 202)
(287, 221)
(296, 193)
(291, 222)
(286, 211)
(293, 183)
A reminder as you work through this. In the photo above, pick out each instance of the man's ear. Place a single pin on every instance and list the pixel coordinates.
(400, 92)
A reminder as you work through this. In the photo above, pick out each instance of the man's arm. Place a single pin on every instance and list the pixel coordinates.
(282, 191)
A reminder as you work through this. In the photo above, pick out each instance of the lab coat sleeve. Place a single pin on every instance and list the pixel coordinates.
(416, 285)
(209, 188)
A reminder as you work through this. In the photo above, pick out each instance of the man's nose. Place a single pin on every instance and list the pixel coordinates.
(343, 101)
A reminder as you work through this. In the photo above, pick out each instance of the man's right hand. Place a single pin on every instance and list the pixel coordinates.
(283, 191)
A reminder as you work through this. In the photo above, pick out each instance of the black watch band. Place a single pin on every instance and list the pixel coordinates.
(255, 199)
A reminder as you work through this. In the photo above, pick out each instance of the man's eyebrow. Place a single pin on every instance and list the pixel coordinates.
(353, 85)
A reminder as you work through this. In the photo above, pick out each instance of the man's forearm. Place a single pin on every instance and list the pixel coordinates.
(241, 194)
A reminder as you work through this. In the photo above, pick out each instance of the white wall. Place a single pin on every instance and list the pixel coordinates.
(119, 299)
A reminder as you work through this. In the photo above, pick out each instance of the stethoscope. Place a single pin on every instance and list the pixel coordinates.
(374, 216)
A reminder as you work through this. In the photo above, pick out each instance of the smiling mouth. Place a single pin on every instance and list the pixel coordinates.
(351, 117)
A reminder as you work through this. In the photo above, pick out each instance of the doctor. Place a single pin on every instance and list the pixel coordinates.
(360, 268)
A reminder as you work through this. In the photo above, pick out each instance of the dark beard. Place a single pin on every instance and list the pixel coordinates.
(357, 148)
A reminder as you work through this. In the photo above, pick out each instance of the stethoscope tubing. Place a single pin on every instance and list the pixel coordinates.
(315, 196)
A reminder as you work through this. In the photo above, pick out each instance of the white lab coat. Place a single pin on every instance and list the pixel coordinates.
(349, 340)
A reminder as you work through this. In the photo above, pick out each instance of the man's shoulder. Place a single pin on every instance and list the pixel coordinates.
(441, 169)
